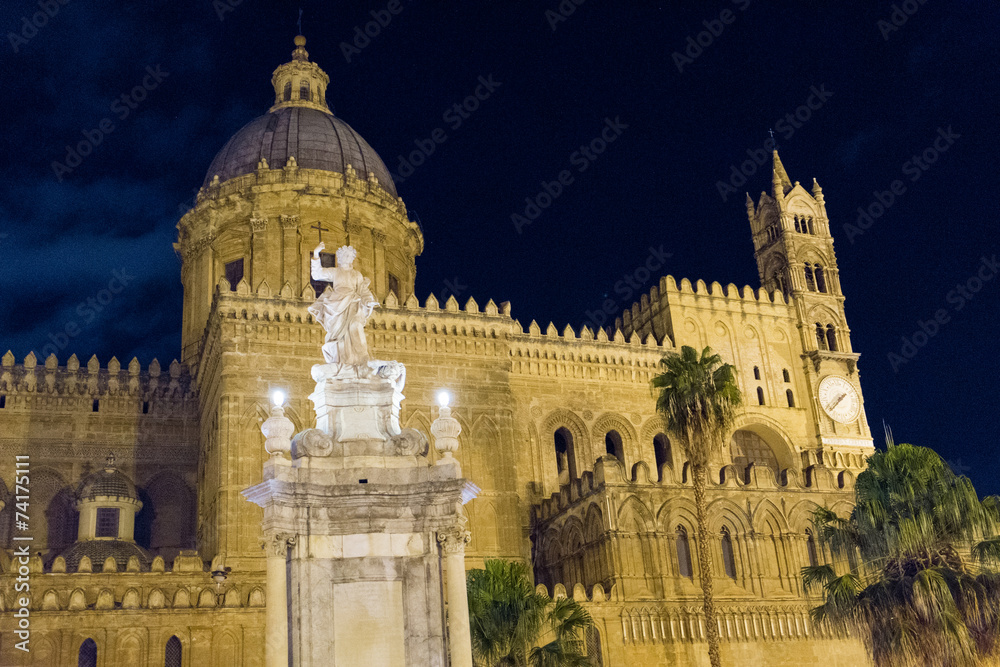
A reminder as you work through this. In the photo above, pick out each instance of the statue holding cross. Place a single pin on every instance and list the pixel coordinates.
(343, 310)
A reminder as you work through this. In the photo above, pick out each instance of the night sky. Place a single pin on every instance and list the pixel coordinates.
(882, 92)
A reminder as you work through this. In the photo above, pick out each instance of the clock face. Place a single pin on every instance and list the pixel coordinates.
(839, 399)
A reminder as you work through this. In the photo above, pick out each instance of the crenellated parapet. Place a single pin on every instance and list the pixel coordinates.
(125, 388)
(653, 310)
(184, 583)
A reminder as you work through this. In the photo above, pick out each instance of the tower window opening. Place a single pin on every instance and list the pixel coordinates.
(809, 222)
(96, 405)
(790, 398)
(563, 442)
(287, 93)
(661, 452)
(756, 373)
(234, 273)
(728, 560)
(831, 338)
(145, 407)
(798, 225)
(683, 553)
(327, 260)
(811, 548)
(760, 396)
(785, 376)
(613, 445)
(304, 91)
(810, 279)
(107, 522)
(820, 279)
(3, 401)
(394, 285)
(820, 337)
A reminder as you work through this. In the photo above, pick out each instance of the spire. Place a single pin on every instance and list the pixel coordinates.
(779, 178)
(299, 82)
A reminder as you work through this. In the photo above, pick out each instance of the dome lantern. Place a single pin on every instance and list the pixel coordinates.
(300, 83)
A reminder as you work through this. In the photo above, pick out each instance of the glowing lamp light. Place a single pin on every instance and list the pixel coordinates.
(443, 399)
(278, 397)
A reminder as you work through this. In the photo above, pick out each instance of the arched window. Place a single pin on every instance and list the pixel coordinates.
(820, 337)
(798, 224)
(728, 561)
(613, 445)
(831, 338)
(593, 641)
(820, 279)
(790, 398)
(87, 657)
(756, 373)
(760, 396)
(810, 279)
(564, 448)
(684, 553)
(811, 548)
(287, 93)
(809, 221)
(304, 90)
(661, 450)
(747, 447)
(785, 376)
(172, 653)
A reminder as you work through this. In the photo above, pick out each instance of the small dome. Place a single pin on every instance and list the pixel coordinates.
(109, 482)
(99, 550)
(317, 140)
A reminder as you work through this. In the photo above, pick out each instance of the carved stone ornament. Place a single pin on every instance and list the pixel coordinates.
(454, 538)
(312, 442)
(277, 544)
(410, 442)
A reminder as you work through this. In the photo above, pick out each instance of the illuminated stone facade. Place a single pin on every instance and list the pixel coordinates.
(558, 427)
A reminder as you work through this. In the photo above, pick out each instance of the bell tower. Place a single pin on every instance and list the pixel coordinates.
(794, 252)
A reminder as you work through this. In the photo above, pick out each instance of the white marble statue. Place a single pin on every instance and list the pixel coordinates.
(343, 310)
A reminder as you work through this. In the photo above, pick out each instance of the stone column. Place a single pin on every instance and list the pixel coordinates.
(259, 269)
(453, 541)
(276, 614)
(291, 263)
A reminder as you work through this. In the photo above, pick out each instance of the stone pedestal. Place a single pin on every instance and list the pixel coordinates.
(366, 513)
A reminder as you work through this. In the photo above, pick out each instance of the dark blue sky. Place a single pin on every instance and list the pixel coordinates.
(889, 94)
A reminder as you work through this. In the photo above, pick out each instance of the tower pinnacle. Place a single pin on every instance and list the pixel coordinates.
(779, 177)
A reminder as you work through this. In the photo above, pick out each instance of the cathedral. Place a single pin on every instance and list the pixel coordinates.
(125, 535)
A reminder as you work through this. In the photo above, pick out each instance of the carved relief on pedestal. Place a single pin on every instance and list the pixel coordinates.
(277, 544)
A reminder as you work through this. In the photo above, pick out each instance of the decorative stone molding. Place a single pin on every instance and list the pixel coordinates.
(380, 237)
(289, 221)
(258, 224)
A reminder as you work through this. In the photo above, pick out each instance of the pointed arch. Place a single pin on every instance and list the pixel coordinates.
(87, 655)
(166, 522)
(626, 436)
(634, 516)
(173, 653)
(577, 445)
(486, 455)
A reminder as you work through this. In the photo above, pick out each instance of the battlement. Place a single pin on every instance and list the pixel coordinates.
(186, 583)
(610, 472)
(92, 381)
(700, 294)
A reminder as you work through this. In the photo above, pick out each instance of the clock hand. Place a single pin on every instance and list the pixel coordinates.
(837, 402)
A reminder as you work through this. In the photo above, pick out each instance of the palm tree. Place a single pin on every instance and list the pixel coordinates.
(698, 399)
(509, 619)
(927, 590)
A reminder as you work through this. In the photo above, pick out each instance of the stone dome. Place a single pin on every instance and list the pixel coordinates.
(109, 482)
(316, 139)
